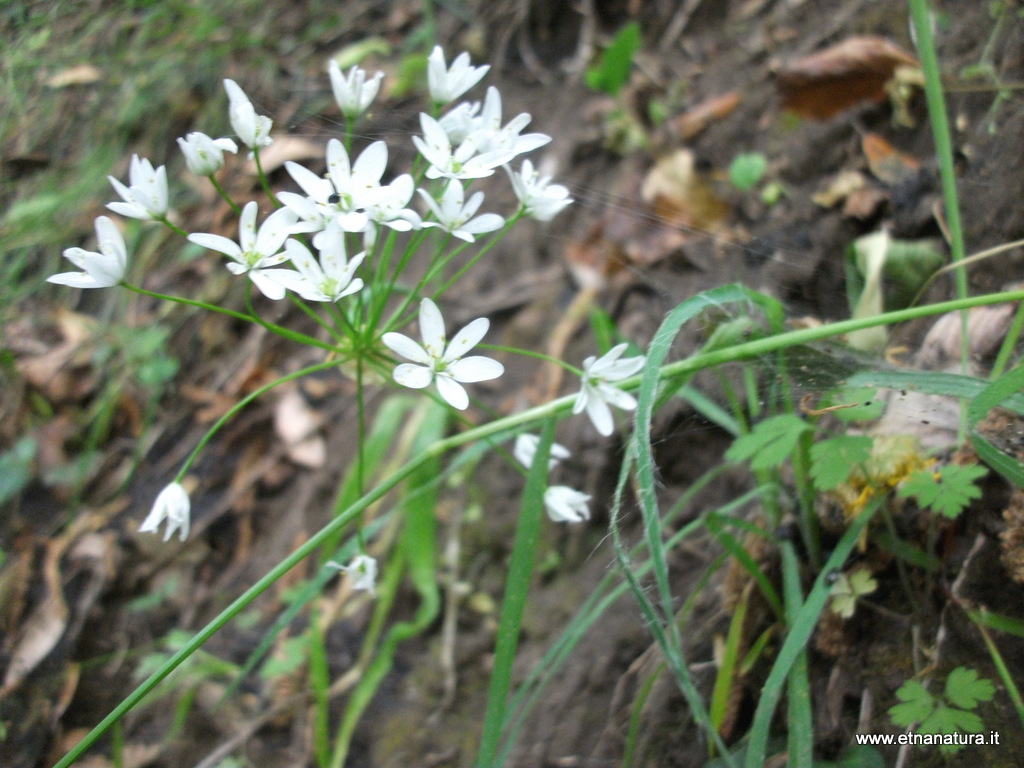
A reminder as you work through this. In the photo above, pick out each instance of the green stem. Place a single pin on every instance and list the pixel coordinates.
(190, 303)
(173, 227)
(287, 333)
(263, 179)
(224, 195)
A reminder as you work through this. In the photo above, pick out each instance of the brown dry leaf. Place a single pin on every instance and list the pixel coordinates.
(81, 74)
(44, 626)
(59, 372)
(695, 120)
(842, 185)
(886, 163)
(593, 259)
(827, 82)
(680, 197)
(285, 148)
(15, 580)
(986, 329)
(864, 203)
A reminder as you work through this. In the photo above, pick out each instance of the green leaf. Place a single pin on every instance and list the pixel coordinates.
(860, 756)
(946, 491)
(917, 704)
(965, 689)
(16, 468)
(612, 73)
(747, 169)
(770, 442)
(951, 720)
(833, 459)
(847, 589)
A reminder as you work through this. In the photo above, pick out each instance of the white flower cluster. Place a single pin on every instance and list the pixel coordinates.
(303, 246)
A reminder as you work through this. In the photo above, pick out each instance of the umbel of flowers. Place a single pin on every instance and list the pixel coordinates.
(332, 245)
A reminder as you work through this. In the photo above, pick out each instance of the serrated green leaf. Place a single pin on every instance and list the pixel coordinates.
(770, 442)
(965, 689)
(950, 720)
(833, 459)
(946, 491)
(917, 704)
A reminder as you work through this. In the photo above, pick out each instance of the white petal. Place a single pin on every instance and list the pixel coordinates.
(471, 369)
(217, 243)
(75, 280)
(616, 397)
(407, 348)
(274, 230)
(370, 165)
(485, 222)
(247, 227)
(269, 287)
(466, 339)
(316, 187)
(453, 392)
(432, 329)
(413, 376)
(601, 415)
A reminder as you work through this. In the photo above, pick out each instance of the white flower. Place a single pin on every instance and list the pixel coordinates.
(146, 197)
(330, 279)
(255, 251)
(462, 162)
(461, 121)
(491, 137)
(362, 570)
(353, 92)
(103, 269)
(447, 84)
(436, 361)
(566, 505)
(172, 505)
(598, 392)
(342, 195)
(252, 129)
(526, 448)
(387, 205)
(205, 156)
(455, 217)
(539, 198)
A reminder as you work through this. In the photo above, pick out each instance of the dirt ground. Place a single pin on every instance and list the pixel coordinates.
(89, 581)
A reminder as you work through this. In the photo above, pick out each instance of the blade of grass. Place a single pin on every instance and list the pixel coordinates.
(799, 633)
(722, 690)
(978, 617)
(921, 18)
(517, 587)
(800, 722)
